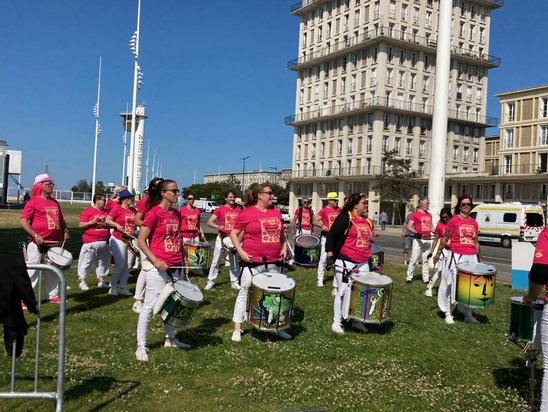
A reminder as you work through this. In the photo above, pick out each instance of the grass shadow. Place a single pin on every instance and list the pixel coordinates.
(101, 384)
(518, 378)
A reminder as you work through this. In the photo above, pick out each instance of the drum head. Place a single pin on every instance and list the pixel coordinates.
(518, 300)
(228, 242)
(188, 291)
(480, 269)
(61, 257)
(133, 242)
(273, 281)
(371, 278)
(307, 241)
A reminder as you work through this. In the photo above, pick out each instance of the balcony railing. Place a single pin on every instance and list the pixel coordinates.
(519, 169)
(297, 6)
(343, 171)
(384, 31)
(473, 118)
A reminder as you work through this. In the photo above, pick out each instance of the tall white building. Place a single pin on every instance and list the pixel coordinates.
(365, 85)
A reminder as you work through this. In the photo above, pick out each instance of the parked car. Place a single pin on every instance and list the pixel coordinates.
(205, 205)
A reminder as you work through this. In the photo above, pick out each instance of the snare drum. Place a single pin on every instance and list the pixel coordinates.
(270, 303)
(524, 320)
(145, 263)
(59, 257)
(369, 298)
(377, 257)
(475, 286)
(307, 250)
(198, 256)
(178, 302)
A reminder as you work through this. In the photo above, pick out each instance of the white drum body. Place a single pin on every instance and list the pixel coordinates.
(59, 257)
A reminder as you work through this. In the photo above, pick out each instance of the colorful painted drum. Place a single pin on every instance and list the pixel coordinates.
(178, 302)
(198, 256)
(524, 320)
(475, 286)
(59, 257)
(307, 250)
(270, 301)
(377, 257)
(369, 298)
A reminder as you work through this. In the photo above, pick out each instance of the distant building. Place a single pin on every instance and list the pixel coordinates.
(254, 176)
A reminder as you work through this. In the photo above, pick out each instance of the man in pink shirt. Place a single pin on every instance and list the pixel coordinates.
(420, 226)
(95, 251)
(324, 220)
(42, 219)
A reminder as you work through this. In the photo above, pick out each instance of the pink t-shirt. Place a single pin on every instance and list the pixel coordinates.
(329, 215)
(190, 221)
(422, 223)
(306, 222)
(464, 234)
(440, 231)
(125, 218)
(165, 235)
(227, 217)
(263, 233)
(111, 205)
(357, 246)
(141, 205)
(45, 217)
(541, 250)
(97, 232)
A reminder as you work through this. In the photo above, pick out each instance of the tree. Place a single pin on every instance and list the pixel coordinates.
(397, 184)
(81, 186)
(214, 191)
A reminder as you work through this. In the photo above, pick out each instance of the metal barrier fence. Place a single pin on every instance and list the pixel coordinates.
(57, 396)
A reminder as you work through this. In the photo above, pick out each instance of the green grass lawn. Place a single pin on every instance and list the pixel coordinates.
(416, 364)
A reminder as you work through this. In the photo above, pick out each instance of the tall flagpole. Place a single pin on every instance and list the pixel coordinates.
(132, 162)
(97, 132)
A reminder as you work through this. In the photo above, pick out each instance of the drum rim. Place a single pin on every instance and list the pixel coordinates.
(493, 272)
(316, 238)
(290, 280)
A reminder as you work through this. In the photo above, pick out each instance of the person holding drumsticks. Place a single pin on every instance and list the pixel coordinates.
(43, 221)
(420, 226)
(461, 235)
(348, 249)
(121, 218)
(160, 240)
(303, 218)
(264, 247)
(324, 219)
(191, 228)
(226, 216)
(439, 232)
(538, 280)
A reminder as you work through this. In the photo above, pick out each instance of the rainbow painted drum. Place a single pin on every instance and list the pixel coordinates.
(377, 257)
(369, 298)
(524, 321)
(307, 250)
(178, 302)
(198, 256)
(475, 285)
(270, 301)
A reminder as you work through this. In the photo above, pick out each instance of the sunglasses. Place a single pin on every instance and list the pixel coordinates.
(189, 198)
(466, 204)
(268, 193)
(174, 191)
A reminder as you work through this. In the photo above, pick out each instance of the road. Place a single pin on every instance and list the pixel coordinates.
(391, 242)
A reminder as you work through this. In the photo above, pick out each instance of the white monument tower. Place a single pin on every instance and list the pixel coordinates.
(135, 159)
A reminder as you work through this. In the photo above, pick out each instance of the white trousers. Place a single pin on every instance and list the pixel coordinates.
(120, 274)
(420, 248)
(50, 280)
(544, 340)
(155, 282)
(440, 267)
(446, 292)
(94, 255)
(219, 256)
(245, 282)
(340, 265)
(323, 259)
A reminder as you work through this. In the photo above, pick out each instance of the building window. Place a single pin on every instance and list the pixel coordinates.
(339, 147)
(349, 147)
(422, 148)
(421, 168)
(507, 164)
(543, 138)
(509, 190)
(465, 154)
(409, 147)
(369, 147)
(475, 156)
(544, 108)
(385, 144)
(386, 121)
(397, 145)
(455, 153)
(510, 112)
(508, 138)
(478, 192)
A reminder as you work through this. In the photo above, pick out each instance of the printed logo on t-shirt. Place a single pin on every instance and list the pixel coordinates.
(330, 219)
(52, 215)
(467, 234)
(538, 254)
(426, 223)
(192, 220)
(230, 219)
(363, 236)
(172, 239)
(270, 230)
(129, 221)
(305, 218)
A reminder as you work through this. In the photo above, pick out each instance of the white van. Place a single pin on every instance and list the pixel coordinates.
(502, 222)
(205, 205)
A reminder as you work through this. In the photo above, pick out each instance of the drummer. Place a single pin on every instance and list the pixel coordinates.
(95, 251)
(439, 232)
(160, 240)
(43, 221)
(303, 218)
(141, 209)
(348, 249)
(324, 219)
(462, 236)
(121, 218)
(264, 247)
(420, 226)
(222, 219)
(113, 202)
(190, 226)
(538, 280)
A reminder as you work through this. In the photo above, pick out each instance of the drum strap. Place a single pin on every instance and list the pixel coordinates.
(347, 272)
(174, 273)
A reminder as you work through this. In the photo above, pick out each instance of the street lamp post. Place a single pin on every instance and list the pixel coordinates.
(243, 172)
(97, 133)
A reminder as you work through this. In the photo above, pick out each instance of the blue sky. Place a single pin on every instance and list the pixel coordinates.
(216, 84)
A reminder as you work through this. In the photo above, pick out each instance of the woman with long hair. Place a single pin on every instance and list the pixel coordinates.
(160, 240)
(439, 232)
(462, 236)
(348, 249)
(264, 249)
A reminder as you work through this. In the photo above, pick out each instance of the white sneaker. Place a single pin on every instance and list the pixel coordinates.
(359, 326)
(210, 285)
(283, 334)
(125, 292)
(449, 320)
(83, 285)
(334, 291)
(319, 284)
(235, 286)
(428, 292)
(137, 306)
(174, 343)
(469, 318)
(102, 284)
(141, 354)
(237, 335)
(113, 292)
(337, 328)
